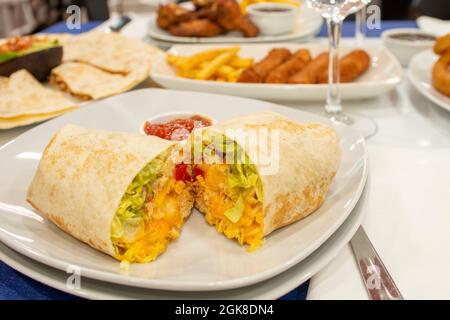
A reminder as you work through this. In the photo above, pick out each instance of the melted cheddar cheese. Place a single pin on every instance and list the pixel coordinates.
(162, 223)
(214, 197)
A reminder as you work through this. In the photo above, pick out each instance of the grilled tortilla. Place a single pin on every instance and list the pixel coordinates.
(244, 196)
(97, 64)
(87, 82)
(111, 52)
(116, 192)
(23, 100)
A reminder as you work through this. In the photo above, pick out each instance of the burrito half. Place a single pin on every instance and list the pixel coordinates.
(261, 172)
(117, 192)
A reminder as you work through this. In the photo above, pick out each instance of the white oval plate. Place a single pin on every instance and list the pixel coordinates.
(419, 73)
(308, 25)
(384, 75)
(201, 259)
(270, 289)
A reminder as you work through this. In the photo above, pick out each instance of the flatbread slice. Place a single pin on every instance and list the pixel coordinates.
(87, 82)
(24, 100)
(110, 52)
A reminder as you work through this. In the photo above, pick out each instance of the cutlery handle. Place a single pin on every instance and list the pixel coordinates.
(377, 280)
(124, 20)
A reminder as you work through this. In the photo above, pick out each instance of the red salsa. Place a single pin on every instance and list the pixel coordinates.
(187, 173)
(177, 129)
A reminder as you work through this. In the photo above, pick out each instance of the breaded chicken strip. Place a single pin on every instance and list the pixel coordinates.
(260, 70)
(196, 28)
(351, 66)
(294, 64)
(312, 72)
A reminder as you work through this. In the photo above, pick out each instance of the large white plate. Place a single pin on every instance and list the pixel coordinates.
(269, 289)
(308, 25)
(201, 259)
(384, 75)
(419, 73)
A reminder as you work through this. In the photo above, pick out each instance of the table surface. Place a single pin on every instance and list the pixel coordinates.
(407, 212)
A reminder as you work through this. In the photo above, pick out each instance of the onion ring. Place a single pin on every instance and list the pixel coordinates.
(441, 75)
(442, 45)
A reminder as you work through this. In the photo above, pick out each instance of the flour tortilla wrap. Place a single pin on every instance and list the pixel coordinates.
(23, 100)
(82, 180)
(309, 157)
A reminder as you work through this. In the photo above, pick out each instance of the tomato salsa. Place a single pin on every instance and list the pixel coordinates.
(176, 129)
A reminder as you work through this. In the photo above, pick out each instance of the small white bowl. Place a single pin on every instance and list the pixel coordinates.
(405, 49)
(273, 18)
(169, 116)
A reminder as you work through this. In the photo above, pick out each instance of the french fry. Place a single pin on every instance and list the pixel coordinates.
(208, 55)
(224, 71)
(222, 59)
(235, 75)
(241, 62)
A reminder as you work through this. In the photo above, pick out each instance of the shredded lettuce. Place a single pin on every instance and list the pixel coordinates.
(129, 217)
(235, 213)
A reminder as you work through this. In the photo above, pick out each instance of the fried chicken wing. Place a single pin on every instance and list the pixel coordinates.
(229, 17)
(312, 72)
(260, 70)
(171, 14)
(196, 28)
(294, 64)
(222, 14)
(247, 27)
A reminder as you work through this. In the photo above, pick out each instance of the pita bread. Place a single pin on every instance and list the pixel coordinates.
(110, 52)
(24, 100)
(98, 64)
(87, 82)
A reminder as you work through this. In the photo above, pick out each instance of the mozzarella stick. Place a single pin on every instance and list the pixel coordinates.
(294, 64)
(260, 70)
(313, 70)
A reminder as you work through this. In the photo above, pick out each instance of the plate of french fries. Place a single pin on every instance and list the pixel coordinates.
(277, 72)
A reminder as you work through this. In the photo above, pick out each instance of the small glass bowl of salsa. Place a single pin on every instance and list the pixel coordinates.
(175, 126)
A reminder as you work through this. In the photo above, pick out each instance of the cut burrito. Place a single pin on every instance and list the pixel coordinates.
(261, 172)
(117, 192)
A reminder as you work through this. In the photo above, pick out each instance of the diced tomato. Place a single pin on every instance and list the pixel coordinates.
(181, 172)
(177, 129)
(198, 172)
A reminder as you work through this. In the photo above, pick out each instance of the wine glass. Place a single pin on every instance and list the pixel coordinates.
(360, 26)
(334, 12)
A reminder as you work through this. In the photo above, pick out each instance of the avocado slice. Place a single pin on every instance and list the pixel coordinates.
(39, 60)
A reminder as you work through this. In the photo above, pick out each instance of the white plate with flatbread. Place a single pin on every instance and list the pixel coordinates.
(201, 259)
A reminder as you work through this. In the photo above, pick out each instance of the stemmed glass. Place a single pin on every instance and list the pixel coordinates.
(360, 26)
(334, 12)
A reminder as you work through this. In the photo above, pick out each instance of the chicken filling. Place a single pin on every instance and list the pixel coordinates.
(231, 197)
(150, 214)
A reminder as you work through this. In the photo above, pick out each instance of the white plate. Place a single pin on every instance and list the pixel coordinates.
(419, 73)
(269, 289)
(384, 75)
(201, 259)
(308, 25)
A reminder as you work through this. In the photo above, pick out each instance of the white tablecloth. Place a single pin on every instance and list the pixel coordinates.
(408, 207)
